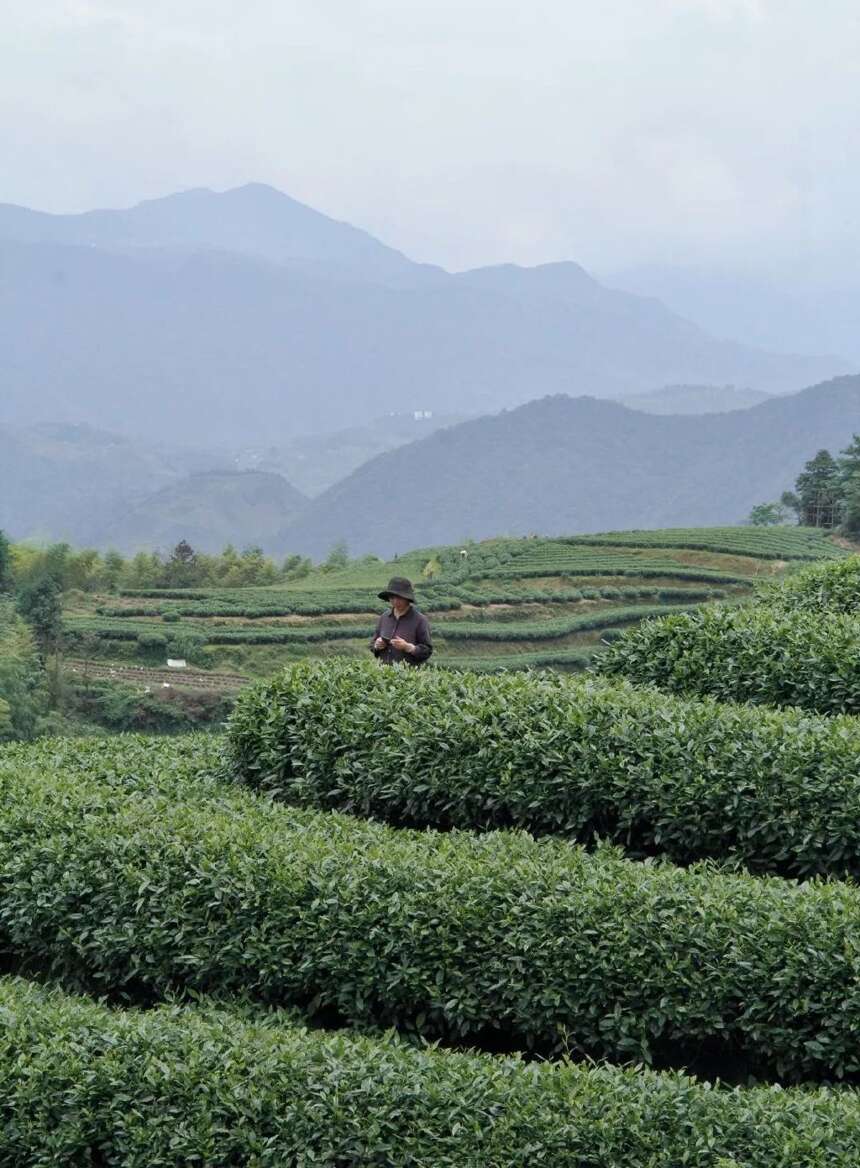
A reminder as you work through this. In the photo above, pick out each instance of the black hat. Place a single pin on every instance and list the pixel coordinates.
(398, 586)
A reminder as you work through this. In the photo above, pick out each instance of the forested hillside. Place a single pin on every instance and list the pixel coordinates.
(565, 464)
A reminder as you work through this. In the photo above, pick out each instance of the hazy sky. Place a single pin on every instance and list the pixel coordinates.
(462, 131)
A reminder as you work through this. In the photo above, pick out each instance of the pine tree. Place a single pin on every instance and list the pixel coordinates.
(818, 488)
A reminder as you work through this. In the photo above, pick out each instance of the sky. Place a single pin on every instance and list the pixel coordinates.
(464, 132)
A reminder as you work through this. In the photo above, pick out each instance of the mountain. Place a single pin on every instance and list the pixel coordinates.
(210, 510)
(819, 311)
(253, 220)
(315, 462)
(695, 399)
(561, 465)
(95, 488)
(244, 318)
(66, 482)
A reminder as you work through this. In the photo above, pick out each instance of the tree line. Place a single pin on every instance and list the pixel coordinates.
(826, 494)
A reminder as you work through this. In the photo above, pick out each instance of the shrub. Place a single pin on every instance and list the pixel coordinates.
(221, 1087)
(577, 757)
(822, 588)
(750, 654)
(453, 935)
(152, 641)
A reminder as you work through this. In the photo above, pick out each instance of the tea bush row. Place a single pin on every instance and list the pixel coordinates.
(616, 567)
(455, 935)
(780, 543)
(778, 790)
(822, 588)
(755, 654)
(82, 1084)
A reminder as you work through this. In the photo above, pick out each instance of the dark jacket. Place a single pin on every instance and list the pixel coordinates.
(412, 627)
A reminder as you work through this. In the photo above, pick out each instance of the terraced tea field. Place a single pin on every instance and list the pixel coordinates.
(502, 604)
(638, 947)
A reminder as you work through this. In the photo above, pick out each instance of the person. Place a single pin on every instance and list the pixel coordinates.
(402, 633)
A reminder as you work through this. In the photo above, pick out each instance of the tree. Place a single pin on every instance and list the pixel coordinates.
(850, 508)
(818, 489)
(767, 515)
(791, 502)
(40, 603)
(23, 698)
(338, 557)
(114, 569)
(5, 564)
(181, 567)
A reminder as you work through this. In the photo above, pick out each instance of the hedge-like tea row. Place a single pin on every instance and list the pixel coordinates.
(753, 654)
(612, 566)
(822, 588)
(781, 543)
(452, 934)
(779, 790)
(81, 1084)
(570, 660)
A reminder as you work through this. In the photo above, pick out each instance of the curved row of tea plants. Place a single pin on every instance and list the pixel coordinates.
(614, 567)
(453, 934)
(778, 790)
(777, 543)
(240, 607)
(461, 630)
(82, 1084)
(753, 654)
(567, 660)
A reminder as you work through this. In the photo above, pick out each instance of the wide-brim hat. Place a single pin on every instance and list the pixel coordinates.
(398, 586)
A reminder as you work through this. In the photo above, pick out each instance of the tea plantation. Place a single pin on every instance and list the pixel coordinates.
(501, 604)
(457, 916)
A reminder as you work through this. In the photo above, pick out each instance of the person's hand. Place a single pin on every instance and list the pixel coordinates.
(403, 646)
(379, 643)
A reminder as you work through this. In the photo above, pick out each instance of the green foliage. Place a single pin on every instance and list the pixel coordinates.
(818, 490)
(789, 543)
(767, 515)
(40, 603)
(6, 582)
(120, 707)
(222, 1087)
(23, 694)
(754, 654)
(821, 588)
(168, 885)
(586, 758)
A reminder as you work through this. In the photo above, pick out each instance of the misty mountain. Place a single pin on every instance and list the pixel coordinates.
(245, 317)
(92, 487)
(210, 510)
(252, 220)
(695, 399)
(820, 311)
(563, 465)
(67, 482)
(314, 462)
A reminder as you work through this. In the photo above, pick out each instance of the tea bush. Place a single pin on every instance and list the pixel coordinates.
(146, 885)
(81, 1084)
(779, 790)
(753, 654)
(822, 588)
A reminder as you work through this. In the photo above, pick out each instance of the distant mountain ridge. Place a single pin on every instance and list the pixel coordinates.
(217, 319)
(252, 220)
(209, 509)
(562, 465)
(695, 399)
(556, 465)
